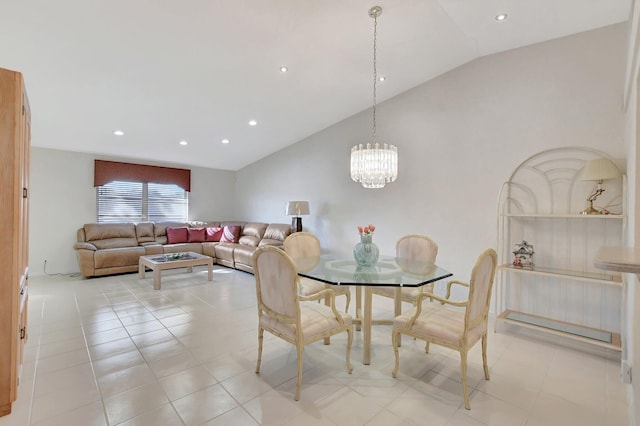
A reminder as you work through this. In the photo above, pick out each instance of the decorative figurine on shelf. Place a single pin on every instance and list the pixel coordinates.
(523, 253)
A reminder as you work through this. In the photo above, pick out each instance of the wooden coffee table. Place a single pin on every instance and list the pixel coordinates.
(159, 262)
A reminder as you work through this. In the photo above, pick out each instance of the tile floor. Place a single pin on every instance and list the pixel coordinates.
(112, 351)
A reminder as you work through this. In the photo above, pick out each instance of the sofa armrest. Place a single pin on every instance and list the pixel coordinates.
(84, 246)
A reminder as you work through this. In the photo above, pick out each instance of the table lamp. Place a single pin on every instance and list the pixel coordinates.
(297, 209)
(598, 170)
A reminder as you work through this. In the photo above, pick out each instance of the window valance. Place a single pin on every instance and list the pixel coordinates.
(108, 171)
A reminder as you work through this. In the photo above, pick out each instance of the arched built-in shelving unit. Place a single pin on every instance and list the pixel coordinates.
(563, 293)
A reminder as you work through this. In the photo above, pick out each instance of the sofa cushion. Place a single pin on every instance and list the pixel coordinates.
(250, 241)
(243, 255)
(254, 229)
(196, 235)
(277, 231)
(144, 232)
(115, 257)
(160, 230)
(110, 235)
(230, 234)
(177, 235)
(213, 233)
(182, 248)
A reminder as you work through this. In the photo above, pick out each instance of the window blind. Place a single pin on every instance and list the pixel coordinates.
(122, 201)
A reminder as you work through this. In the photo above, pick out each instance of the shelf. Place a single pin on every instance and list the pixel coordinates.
(594, 336)
(597, 277)
(620, 259)
(564, 216)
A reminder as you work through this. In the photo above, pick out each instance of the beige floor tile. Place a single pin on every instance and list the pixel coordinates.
(61, 401)
(199, 366)
(204, 405)
(144, 327)
(87, 415)
(63, 361)
(105, 350)
(152, 338)
(494, 411)
(165, 415)
(387, 418)
(551, 410)
(247, 385)
(126, 405)
(174, 364)
(118, 362)
(137, 318)
(61, 346)
(106, 336)
(235, 417)
(125, 379)
(186, 382)
(273, 408)
(78, 375)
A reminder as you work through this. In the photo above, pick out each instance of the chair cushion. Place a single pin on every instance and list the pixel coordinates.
(440, 323)
(316, 320)
(409, 294)
(310, 286)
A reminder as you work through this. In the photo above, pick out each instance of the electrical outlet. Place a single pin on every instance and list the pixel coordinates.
(626, 372)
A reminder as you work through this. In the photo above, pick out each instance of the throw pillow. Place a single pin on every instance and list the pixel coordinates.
(213, 233)
(196, 235)
(230, 234)
(177, 235)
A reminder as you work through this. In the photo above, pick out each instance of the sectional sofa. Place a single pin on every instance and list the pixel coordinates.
(112, 248)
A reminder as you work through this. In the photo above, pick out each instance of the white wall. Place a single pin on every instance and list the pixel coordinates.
(632, 139)
(459, 137)
(63, 199)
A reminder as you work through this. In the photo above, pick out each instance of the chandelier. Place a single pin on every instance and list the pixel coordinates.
(374, 164)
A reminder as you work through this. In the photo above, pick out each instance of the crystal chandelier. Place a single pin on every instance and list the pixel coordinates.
(374, 164)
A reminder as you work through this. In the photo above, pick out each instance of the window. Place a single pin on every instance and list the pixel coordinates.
(121, 201)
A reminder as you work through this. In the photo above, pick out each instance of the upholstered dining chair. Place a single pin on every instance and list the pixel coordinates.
(286, 314)
(411, 247)
(447, 325)
(307, 245)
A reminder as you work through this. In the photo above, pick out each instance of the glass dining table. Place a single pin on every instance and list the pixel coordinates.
(341, 269)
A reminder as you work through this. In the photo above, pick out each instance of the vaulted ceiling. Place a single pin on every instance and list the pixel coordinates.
(199, 70)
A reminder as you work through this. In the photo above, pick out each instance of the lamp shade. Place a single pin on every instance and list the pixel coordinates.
(297, 208)
(600, 169)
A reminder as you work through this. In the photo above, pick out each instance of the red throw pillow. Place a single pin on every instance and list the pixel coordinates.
(196, 235)
(230, 234)
(177, 235)
(213, 234)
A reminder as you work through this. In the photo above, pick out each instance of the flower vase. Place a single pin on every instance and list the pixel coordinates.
(366, 251)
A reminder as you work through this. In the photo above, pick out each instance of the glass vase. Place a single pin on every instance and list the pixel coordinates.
(366, 252)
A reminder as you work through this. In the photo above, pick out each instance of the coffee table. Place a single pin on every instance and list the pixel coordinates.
(159, 262)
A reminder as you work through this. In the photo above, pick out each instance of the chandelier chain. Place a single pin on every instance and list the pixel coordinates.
(375, 71)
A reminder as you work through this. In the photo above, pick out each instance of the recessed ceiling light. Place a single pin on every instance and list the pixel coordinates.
(118, 132)
(501, 17)
(382, 78)
(183, 143)
(284, 69)
(253, 123)
(225, 141)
